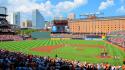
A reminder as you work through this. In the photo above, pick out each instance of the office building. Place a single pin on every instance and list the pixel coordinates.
(37, 20)
(27, 24)
(97, 25)
(16, 18)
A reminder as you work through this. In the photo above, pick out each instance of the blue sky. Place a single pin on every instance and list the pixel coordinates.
(56, 8)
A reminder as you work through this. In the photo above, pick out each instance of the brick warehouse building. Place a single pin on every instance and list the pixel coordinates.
(95, 25)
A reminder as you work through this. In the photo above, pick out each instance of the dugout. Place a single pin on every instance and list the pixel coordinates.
(40, 35)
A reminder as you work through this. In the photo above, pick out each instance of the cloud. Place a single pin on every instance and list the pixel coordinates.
(106, 4)
(68, 5)
(121, 10)
(47, 8)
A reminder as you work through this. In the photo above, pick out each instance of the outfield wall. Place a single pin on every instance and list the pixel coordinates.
(40, 35)
(77, 36)
(93, 39)
(60, 38)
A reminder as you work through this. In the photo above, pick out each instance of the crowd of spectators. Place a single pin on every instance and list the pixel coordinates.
(121, 32)
(19, 61)
(10, 38)
(118, 41)
(117, 37)
(6, 30)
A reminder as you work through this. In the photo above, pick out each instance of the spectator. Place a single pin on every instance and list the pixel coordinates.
(19, 61)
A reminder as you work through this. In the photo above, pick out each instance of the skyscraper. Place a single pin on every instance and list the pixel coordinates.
(37, 20)
(16, 18)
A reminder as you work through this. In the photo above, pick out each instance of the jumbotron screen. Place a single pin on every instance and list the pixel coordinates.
(60, 26)
(58, 29)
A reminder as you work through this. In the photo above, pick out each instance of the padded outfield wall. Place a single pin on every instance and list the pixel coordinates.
(40, 35)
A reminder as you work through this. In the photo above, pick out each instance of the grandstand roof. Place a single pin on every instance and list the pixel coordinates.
(3, 15)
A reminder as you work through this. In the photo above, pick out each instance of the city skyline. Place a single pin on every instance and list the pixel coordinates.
(55, 8)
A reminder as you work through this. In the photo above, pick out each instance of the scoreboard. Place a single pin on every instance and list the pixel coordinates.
(60, 26)
(60, 22)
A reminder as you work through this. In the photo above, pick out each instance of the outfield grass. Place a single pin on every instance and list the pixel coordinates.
(68, 52)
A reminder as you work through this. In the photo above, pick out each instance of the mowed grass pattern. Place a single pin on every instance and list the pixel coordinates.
(86, 53)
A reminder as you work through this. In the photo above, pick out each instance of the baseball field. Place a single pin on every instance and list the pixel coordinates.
(81, 50)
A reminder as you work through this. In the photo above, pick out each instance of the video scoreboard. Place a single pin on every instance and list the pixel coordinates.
(60, 26)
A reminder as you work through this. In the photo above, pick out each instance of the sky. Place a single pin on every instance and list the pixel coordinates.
(56, 8)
